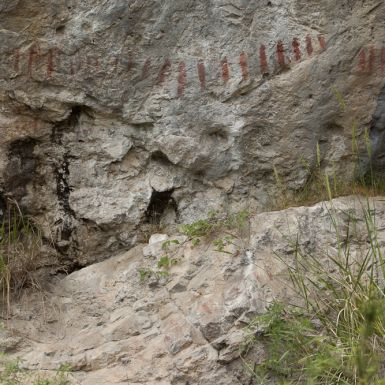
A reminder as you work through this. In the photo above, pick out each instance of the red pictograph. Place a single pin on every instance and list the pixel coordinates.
(182, 77)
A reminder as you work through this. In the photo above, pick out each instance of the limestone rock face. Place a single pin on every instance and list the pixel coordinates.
(118, 113)
(186, 327)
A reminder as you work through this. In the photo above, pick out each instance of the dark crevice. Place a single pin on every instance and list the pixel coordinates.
(3, 206)
(70, 122)
(159, 202)
(21, 167)
(375, 163)
(160, 157)
(63, 189)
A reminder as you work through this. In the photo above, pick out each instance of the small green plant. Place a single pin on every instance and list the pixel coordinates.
(145, 274)
(199, 228)
(221, 244)
(10, 371)
(233, 225)
(60, 378)
(195, 242)
(166, 262)
(166, 244)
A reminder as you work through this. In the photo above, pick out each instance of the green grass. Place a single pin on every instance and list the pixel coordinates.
(322, 185)
(231, 227)
(336, 336)
(12, 374)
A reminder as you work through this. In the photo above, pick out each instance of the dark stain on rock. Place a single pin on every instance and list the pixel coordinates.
(21, 167)
(61, 170)
(376, 162)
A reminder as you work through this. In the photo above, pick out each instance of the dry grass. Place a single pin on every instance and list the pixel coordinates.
(20, 252)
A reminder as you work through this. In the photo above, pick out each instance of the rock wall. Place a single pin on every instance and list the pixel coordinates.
(118, 113)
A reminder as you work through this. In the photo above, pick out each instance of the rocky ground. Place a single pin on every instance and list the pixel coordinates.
(113, 325)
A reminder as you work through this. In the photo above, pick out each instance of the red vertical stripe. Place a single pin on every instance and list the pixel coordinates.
(372, 59)
(31, 57)
(181, 79)
(244, 66)
(263, 60)
(362, 61)
(296, 49)
(281, 53)
(225, 70)
(309, 45)
(163, 72)
(322, 42)
(202, 74)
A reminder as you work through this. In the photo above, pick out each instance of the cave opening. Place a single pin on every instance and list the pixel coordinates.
(160, 202)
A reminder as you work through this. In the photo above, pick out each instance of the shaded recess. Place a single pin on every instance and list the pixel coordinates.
(21, 167)
(160, 157)
(376, 163)
(159, 202)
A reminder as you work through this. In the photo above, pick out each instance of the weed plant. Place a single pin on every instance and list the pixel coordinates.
(336, 336)
(11, 373)
(20, 247)
(233, 226)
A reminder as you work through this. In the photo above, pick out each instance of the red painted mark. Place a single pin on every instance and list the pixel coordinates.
(146, 69)
(31, 57)
(263, 60)
(164, 70)
(130, 64)
(97, 64)
(225, 70)
(244, 66)
(202, 74)
(16, 63)
(50, 62)
(181, 79)
(372, 59)
(281, 53)
(322, 42)
(383, 60)
(296, 49)
(362, 61)
(309, 45)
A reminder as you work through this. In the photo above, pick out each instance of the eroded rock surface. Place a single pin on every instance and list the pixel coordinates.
(186, 327)
(123, 112)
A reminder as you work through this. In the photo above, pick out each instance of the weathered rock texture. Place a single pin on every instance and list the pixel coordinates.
(185, 328)
(123, 112)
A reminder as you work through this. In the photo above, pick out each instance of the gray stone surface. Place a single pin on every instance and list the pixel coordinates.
(188, 328)
(121, 112)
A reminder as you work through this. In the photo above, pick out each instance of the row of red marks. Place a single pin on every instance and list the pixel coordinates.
(369, 59)
(282, 60)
